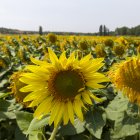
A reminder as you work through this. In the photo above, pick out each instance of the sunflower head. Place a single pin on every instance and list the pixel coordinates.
(122, 41)
(109, 42)
(100, 50)
(83, 45)
(52, 37)
(16, 84)
(126, 77)
(61, 86)
(119, 50)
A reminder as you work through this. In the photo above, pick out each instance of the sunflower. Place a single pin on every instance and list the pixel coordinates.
(119, 50)
(126, 77)
(60, 87)
(15, 85)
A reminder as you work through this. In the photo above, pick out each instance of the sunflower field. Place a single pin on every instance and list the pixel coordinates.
(55, 87)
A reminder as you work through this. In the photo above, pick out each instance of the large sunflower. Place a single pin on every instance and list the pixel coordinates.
(60, 87)
(126, 77)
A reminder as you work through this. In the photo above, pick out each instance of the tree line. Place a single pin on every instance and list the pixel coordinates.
(103, 31)
(135, 31)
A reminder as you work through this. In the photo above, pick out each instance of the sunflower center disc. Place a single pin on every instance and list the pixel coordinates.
(67, 83)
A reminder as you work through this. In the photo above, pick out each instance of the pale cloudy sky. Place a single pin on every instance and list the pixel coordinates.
(69, 15)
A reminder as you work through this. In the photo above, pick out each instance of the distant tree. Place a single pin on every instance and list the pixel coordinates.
(122, 31)
(137, 30)
(40, 30)
(104, 30)
(101, 30)
(108, 33)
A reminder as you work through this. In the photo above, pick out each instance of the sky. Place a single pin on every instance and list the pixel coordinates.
(69, 15)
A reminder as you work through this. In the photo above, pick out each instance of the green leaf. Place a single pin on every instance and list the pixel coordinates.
(95, 121)
(36, 136)
(70, 129)
(128, 124)
(23, 120)
(7, 115)
(3, 82)
(117, 107)
(5, 72)
(124, 115)
(3, 95)
(19, 135)
(81, 137)
(4, 105)
(36, 124)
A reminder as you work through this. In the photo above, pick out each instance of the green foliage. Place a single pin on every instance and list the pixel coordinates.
(95, 121)
(125, 117)
(70, 129)
(113, 119)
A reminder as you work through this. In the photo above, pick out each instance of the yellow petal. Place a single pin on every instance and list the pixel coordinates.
(44, 107)
(86, 97)
(27, 88)
(65, 115)
(96, 77)
(71, 59)
(58, 118)
(93, 67)
(96, 98)
(33, 87)
(78, 109)
(33, 95)
(38, 62)
(52, 56)
(54, 111)
(85, 59)
(70, 111)
(63, 59)
(37, 101)
(38, 69)
(94, 85)
(32, 81)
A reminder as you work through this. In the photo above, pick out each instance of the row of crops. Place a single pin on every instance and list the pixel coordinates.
(115, 117)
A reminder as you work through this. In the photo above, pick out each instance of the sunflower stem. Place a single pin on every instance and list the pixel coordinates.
(52, 137)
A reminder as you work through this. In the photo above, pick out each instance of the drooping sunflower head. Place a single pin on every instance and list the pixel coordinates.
(83, 45)
(119, 50)
(52, 37)
(109, 42)
(100, 50)
(16, 84)
(61, 87)
(126, 77)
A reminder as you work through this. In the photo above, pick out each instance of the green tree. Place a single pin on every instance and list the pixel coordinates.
(104, 30)
(40, 30)
(101, 30)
